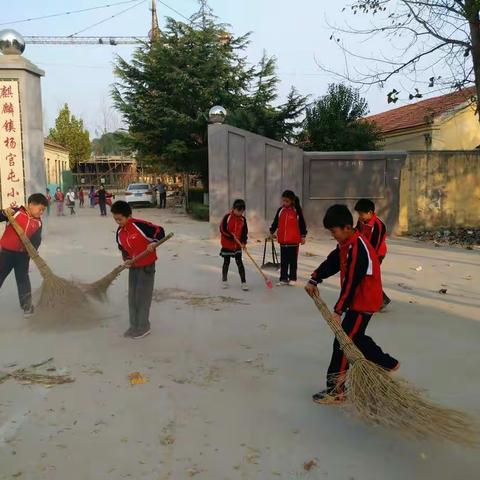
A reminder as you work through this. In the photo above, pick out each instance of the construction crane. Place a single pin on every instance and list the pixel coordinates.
(107, 40)
(112, 41)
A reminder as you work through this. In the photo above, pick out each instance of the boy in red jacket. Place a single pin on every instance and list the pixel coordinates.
(232, 228)
(134, 236)
(291, 232)
(374, 230)
(360, 297)
(12, 252)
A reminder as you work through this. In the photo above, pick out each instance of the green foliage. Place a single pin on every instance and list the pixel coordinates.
(199, 211)
(71, 134)
(195, 195)
(335, 122)
(259, 115)
(166, 91)
(110, 143)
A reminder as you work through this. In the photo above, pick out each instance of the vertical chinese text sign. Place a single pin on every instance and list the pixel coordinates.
(11, 150)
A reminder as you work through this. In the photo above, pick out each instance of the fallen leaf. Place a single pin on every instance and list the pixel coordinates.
(307, 466)
(136, 378)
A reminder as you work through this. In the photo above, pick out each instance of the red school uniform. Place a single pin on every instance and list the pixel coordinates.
(290, 225)
(376, 233)
(31, 226)
(233, 226)
(360, 278)
(134, 238)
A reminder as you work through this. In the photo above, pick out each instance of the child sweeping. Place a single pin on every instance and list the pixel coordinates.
(375, 231)
(234, 229)
(134, 236)
(12, 252)
(360, 297)
(292, 231)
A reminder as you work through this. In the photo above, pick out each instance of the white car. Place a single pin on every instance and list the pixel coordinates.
(140, 194)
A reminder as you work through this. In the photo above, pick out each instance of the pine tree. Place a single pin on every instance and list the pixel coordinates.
(166, 91)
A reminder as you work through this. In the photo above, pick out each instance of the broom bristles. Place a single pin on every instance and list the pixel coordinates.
(379, 398)
(99, 288)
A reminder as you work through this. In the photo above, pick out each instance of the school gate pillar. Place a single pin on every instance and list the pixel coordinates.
(22, 166)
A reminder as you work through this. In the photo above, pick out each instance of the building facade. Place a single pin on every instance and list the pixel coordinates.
(447, 122)
(57, 164)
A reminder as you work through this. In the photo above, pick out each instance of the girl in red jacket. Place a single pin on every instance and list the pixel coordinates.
(292, 231)
(233, 229)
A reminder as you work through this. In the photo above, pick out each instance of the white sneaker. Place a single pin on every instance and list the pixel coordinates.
(282, 283)
(224, 285)
(292, 283)
(245, 287)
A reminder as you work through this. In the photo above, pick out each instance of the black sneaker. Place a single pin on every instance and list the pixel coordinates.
(141, 332)
(28, 312)
(129, 332)
(328, 397)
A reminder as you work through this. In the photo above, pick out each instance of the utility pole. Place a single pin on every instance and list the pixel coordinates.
(155, 30)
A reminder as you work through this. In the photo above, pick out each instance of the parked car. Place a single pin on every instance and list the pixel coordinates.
(140, 194)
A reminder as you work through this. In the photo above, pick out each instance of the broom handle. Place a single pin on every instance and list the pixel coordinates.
(252, 259)
(346, 344)
(146, 252)
(31, 250)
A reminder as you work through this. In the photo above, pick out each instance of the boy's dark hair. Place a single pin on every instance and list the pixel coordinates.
(365, 205)
(122, 208)
(291, 196)
(239, 204)
(38, 199)
(337, 216)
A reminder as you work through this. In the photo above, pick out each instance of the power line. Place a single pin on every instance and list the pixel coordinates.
(173, 10)
(67, 13)
(107, 19)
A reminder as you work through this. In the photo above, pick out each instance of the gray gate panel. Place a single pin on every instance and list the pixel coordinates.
(236, 166)
(343, 179)
(273, 175)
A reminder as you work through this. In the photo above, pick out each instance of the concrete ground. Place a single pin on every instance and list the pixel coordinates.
(230, 373)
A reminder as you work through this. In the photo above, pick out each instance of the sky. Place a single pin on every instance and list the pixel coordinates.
(295, 32)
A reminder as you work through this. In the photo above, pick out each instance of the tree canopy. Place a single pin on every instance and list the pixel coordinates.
(71, 134)
(431, 44)
(166, 91)
(335, 122)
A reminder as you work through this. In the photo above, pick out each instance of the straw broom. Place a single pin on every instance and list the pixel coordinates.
(56, 294)
(99, 288)
(379, 398)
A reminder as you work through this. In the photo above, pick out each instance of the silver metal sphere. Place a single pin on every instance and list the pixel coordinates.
(11, 42)
(217, 114)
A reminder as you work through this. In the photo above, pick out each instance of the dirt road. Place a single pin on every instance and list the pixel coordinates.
(230, 373)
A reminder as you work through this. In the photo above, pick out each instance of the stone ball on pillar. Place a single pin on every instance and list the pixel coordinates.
(11, 42)
(217, 114)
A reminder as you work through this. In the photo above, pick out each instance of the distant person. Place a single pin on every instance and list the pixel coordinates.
(234, 229)
(162, 192)
(48, 196)
(12, 252)
(59, 199)
(102, 200)
(141, 276)
(91, 196)
(291, 232)
(81, 197)
(71, 201)
(375, 231)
